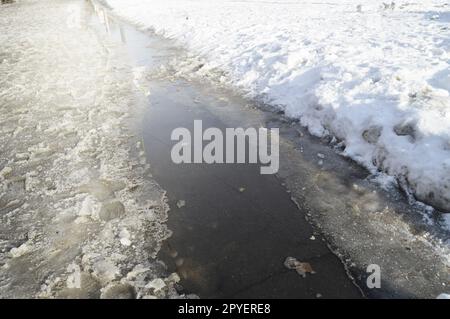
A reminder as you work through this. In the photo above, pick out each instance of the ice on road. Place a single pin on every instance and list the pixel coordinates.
(78, 217)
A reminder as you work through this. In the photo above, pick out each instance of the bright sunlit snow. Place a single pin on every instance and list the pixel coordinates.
(374, 75)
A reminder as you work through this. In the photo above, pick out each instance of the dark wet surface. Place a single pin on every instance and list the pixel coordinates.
(236, 227)
(230, 242)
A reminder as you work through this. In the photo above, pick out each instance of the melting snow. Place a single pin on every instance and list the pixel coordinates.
(78, 218)
(375, 76)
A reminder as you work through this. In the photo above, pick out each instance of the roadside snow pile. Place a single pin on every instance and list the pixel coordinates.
(80, 217)
(374, 75)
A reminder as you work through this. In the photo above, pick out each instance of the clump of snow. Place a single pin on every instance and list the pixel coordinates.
(19, 251)
(446, 218)
(89, 207)
(156, 284)
(374, 75)
(74, 279)
(5, 172)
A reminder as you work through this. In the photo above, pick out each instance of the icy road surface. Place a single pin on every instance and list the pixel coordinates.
(79, 214)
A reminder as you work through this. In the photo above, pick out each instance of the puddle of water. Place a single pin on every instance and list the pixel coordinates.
(142, 49)
(363, 223)
(236, 227)
(232, 243)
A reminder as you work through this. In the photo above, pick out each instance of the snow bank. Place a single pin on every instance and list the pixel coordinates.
(375, 76)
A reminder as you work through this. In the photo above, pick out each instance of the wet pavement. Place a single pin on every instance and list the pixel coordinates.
(237, 227)
(233, 228)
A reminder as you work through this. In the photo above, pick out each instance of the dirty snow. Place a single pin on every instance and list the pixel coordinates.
(80, 216)
(375, 76)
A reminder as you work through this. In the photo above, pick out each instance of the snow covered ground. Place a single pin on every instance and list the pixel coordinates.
(80, 216)
(373, 75)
